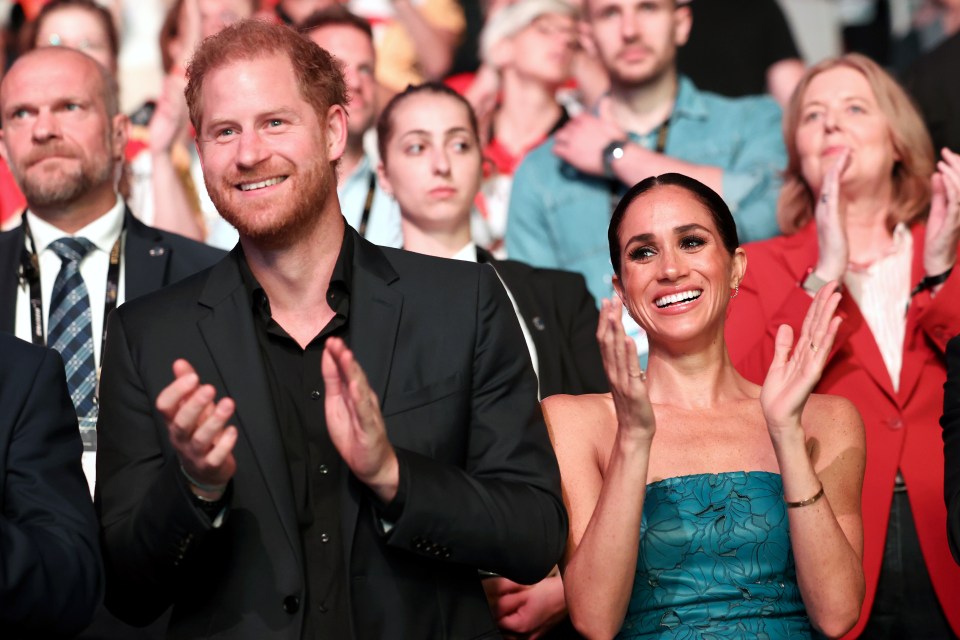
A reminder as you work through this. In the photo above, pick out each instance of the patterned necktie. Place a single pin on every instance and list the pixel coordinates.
(71, 333)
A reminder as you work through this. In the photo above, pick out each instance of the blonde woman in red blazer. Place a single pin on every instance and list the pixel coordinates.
(859, 202)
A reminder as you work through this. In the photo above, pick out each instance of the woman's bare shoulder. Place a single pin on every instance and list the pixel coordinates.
(831, 418)
(577, 414)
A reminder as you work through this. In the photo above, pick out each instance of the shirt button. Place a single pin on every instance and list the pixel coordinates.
(323, 470)
(291, 604)
(324, 538)
(315, 394)
(895, 423)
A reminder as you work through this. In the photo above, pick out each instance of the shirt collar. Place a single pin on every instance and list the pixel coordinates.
(102, 232)
(340, 278)
(360, 172)
(467, 254)
(689, 102)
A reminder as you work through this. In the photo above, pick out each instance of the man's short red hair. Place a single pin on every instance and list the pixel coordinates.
(319, 75)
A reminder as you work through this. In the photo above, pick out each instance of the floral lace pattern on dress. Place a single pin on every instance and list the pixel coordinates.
(715, 561)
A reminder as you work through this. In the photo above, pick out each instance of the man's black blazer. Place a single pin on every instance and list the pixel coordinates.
(151, 259)
(950, 421)
(442, 349)
(562, 317)
(51, 579)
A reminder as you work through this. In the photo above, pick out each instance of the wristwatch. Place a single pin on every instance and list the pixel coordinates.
(611, 153)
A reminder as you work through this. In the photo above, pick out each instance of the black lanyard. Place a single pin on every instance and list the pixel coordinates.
(367, 205)
(30, 271)
(660, 148)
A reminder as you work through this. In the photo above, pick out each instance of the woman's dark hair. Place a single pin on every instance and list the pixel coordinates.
(385, 121)
(722, 218)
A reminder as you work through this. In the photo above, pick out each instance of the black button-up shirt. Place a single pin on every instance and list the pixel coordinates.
(296, 387)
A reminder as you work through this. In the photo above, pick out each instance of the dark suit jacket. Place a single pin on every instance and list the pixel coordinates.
(479, 481)
(51, 577)
(950, 421)
(932, 82)
(561, 316)
(151, 259)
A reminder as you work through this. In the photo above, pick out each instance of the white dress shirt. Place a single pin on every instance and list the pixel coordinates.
(882, 292)
(103, 233)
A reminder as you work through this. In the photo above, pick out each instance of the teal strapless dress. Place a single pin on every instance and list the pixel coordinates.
(715, 561)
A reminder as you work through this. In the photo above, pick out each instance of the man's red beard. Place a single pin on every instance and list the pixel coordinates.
(283, 223)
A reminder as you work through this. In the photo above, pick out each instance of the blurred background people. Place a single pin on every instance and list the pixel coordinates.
(527, 48)
(367, 208)
(653, 121)
(431, 162)
(741, 48)
(865, 204)
(695, 507)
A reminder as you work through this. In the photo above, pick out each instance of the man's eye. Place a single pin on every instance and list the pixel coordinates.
(225, 132)
(19, 113)
(276, 122)
(414, 149)
(72, 106)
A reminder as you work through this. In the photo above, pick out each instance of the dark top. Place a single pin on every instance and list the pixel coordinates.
(295, 381)
(732, 44)
(950, 421)
(932, 82)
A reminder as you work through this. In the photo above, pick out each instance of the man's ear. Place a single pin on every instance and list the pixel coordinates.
(3, 149)
(336, 126)
(121, 134)
(383, 179)
(682, 22)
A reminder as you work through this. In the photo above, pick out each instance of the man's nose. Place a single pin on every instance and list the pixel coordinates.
(251, 149)
(45, 126)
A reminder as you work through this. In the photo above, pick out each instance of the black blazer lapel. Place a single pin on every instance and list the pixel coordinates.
(11, 248)
(229, 334)
(145, 258)
(374, 321)
(519, 281)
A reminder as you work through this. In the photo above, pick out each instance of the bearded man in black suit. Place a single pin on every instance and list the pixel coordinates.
(377, 437)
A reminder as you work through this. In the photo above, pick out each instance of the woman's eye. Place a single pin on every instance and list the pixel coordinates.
(811, 116)
(641, 253)
(692, 242)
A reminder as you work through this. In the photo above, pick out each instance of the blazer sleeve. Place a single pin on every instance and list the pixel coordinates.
(50, 570)
(770, 296)
(501, 511)
(148, 521)
(950, 421)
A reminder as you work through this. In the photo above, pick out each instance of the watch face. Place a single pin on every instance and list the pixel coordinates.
(616, 153)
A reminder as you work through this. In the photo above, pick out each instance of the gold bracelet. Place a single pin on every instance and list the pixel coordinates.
(807, 502)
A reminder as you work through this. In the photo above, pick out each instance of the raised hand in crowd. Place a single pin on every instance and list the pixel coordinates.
(943, 224)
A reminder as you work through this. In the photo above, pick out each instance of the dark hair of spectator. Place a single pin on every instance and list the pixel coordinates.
(336, 15)
(385, 121)
(319, 75)
(29, 42)
(911, 143)
(722, 218)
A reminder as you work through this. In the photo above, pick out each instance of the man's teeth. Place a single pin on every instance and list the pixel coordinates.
(250, 186)
(674, 298)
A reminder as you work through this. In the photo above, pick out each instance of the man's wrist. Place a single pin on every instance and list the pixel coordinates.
(386, 482)
(611, 155)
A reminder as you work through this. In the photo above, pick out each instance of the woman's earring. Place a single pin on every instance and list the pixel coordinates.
(736, 291)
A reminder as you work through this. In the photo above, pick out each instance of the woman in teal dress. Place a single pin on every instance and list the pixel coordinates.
(702, 505)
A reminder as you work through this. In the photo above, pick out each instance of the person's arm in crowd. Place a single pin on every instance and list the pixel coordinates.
(950, 421)
(749, 184)
(434, 45)
(782, 78)
(502, 511)
(50, 569)
(822, 494)
(604, 499)
(174, 210)
(528, 236)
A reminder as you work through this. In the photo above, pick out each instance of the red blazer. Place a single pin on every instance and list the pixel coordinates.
(902, 428)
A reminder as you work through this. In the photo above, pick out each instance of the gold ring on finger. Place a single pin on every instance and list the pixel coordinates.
(814, 347)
